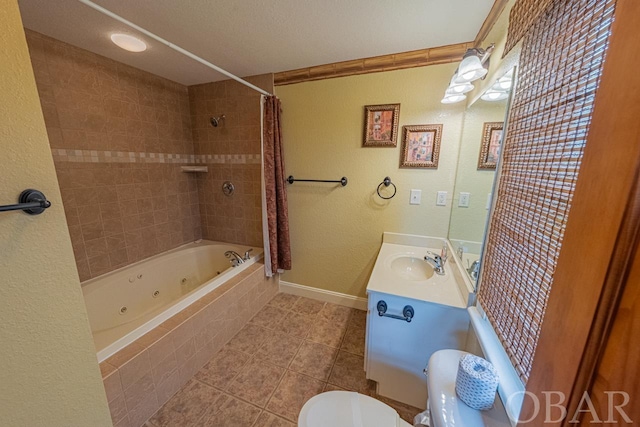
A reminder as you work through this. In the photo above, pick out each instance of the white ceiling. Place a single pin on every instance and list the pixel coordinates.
(260, 36)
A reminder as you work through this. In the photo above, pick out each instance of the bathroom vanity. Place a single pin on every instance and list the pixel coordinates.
(413, 312)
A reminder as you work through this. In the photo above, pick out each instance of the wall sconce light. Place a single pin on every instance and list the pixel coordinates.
(458, 88)
(474, 65)
(500, 89)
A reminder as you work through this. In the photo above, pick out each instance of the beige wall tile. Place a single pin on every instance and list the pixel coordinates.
(112, 385)
(147, 407)
(118, 409)
(136, 368)
(164, 369)
(168, 387)
(138, 391)
(93, 103)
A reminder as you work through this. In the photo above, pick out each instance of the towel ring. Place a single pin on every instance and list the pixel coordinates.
(387, 182)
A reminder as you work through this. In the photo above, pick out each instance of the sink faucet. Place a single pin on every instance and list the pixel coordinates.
(436, 261)
(247, 255)
(474, 269)
(235, 258)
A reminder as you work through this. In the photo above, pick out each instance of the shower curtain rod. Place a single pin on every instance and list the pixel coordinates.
(173, 46)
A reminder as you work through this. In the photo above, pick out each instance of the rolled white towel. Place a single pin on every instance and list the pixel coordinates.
(476, 382)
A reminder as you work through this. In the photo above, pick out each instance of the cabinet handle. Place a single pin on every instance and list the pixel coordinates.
(407, 312)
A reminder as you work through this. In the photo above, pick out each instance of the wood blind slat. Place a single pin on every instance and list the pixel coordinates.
(563, 53)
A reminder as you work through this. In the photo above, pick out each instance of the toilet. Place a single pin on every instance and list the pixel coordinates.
(350, 409)
(447, 410)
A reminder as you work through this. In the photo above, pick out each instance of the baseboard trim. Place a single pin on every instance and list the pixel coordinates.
(323, 295)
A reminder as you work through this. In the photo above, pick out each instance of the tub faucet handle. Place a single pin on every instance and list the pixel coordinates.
(235, 258)
(246, 255)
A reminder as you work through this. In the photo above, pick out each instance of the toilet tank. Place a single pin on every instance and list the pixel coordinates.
(447, 410)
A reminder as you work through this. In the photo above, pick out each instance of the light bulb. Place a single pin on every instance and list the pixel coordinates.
(127, 42)
(493, 95)
(503, 84)
(458, 88)
(452, 99)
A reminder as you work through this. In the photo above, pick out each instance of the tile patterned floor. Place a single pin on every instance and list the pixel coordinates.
(293, 349)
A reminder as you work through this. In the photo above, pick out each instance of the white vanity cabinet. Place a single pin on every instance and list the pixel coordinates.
(398, 351)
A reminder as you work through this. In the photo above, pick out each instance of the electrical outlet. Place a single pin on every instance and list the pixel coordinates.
(441, 200)
(416, 197)
(488, 201)
(463, 201)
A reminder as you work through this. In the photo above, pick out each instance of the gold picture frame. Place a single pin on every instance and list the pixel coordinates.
(381, 125)
(420, 146)
(490, 146)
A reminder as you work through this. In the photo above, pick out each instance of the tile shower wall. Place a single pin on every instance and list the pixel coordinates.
(235, 218)
(118, 136)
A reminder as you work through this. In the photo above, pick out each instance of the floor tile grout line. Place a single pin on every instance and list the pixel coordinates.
(277, 327)
(296, 373)
(275, 389)
(270, 413)
(286, 369)
(204, 413)
(234, 396)
(246, 364)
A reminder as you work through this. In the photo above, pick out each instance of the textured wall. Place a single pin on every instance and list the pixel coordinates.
(118, 136)
(49, 374)
(469, 223)
(232, 152)
(336, 232)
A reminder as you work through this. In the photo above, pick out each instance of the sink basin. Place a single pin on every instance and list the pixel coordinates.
(412, 268)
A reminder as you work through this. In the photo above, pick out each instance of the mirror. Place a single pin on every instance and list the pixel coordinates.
(477, 161)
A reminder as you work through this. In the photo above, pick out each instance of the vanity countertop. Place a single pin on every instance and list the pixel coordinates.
(400, 270)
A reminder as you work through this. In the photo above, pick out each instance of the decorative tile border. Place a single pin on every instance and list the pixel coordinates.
(95, 156)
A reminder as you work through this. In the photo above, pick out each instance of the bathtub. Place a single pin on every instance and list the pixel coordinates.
(127, 303)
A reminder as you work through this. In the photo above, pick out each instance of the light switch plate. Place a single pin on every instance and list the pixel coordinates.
(416, 197)
(488, 201)
(441, 200)
(463, 201)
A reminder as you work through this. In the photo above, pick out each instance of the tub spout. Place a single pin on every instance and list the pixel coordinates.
(235, 258)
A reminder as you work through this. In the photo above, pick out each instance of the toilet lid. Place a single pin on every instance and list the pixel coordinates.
(346, 409)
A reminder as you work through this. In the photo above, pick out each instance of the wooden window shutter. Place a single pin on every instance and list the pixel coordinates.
(560, 66)
(523, 15)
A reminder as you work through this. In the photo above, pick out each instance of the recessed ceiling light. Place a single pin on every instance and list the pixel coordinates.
(127, 42)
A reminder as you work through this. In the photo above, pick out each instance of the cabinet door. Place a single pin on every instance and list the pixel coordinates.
(398, 351)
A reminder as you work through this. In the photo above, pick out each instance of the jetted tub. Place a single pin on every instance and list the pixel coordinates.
(127, 303)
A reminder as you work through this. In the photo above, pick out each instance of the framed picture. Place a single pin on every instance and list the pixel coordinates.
(490, 148)
(381, 125)
(420, 146)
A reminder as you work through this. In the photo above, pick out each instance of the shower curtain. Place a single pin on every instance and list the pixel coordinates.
(275, 217)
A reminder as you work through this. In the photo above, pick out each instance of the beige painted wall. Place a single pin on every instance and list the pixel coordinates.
(336, 232)
(49, 375)
(469, 223)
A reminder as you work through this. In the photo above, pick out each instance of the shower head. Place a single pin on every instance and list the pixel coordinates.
(216, 121)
